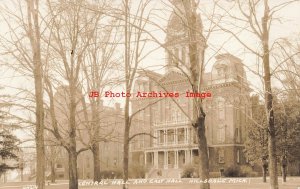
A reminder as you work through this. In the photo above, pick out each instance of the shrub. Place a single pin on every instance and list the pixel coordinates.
(137, 171)
(190, 171)
(111, 174)
(247, 171)
(232, 171)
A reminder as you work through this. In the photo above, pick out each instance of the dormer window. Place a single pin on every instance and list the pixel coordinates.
(220, 72)
(221, 69)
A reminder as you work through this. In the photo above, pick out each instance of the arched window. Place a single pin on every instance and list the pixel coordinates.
(221, 109)
(221, 133)
(221, 156)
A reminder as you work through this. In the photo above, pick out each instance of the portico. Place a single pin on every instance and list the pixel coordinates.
(170, 158)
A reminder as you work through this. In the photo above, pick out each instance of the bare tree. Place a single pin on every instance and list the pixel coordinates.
(196, 75)
(260, 28)
(68, 42)
(97, 70)
(134, 43)
(286, 53)
(30, 58)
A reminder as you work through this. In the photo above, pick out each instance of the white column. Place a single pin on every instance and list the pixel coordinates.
(165, 159)
(165, 137)
(156, 159)
(176, 136)
(176, 159)
(187, 157)
(155, 139)
(152, 159)
(188, 134)
(158, 137)
(185, 136)
(191, 156)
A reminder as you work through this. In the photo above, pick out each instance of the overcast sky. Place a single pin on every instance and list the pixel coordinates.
(287, 26)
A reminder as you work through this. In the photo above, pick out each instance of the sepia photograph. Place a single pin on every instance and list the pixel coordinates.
(149, 94)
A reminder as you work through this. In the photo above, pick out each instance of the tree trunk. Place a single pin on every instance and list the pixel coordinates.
(272, 159)
(96, 159)
(284, 167)
(203, 155)
(126, 109)
(73, 179)
(283, 173)
(22, 175)
(53, 175)
(196, 70)
(269, 100)
(38, 82)
(264, 171)
(96, 147)
(126, 147)
(39, 135)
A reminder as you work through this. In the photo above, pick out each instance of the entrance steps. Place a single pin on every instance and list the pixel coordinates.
(164, 173)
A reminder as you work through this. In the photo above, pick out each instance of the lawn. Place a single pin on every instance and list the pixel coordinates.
(226, 183)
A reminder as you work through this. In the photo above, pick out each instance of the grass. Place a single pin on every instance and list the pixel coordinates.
(252, 183)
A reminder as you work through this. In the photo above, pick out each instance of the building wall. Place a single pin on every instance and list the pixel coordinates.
(227, 114)
(110, 138)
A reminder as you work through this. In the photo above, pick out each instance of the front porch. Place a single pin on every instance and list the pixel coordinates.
(171, 158)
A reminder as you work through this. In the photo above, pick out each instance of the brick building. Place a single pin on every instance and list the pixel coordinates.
(228, 110)
(110, 134)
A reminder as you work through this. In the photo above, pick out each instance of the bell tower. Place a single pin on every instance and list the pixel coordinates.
(177, 40)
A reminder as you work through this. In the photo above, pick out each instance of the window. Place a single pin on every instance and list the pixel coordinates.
(221, 134)
(161, 136)
(220, 72)
(221, 109)
(194, 137)
(87, 162)
(238, 156)
(170, 134)
(168, 110)
(222, 172)
(237, 135)
(141, 159)
(180, 133)
(141, 141)
(174, 114)
(221, 156)
(247, 159)
(59, 165)
(61, 175)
